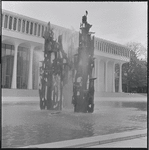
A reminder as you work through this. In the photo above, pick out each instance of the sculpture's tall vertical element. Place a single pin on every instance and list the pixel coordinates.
(52, 72)
(83, 86)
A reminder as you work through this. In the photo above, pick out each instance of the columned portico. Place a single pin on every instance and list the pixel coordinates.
(14, 74)
(107, 53)
(30, 75)
(120, 78)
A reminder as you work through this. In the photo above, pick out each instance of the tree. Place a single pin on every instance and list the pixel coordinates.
(134, 73)
(139, 49)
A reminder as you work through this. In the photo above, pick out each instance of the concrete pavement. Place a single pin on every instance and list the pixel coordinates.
(135, 139)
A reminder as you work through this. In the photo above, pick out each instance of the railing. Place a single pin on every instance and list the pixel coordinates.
(111, 48)
(22, 25)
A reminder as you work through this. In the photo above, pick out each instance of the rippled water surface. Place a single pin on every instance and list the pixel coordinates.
(25, 124)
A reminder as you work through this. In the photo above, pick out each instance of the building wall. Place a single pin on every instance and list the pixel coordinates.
(22, 31)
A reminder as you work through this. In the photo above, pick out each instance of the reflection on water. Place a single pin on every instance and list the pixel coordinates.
(140, 106)
(24, 125)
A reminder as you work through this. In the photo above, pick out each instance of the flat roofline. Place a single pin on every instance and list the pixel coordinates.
(43, 22)
(111, 42)
(33, 19)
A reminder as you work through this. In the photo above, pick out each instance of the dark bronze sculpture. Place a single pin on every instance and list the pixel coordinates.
(52, 72)
(83, 86)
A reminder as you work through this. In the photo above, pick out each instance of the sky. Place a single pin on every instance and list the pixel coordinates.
(120, 22)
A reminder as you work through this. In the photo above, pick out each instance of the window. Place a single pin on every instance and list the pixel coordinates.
(31, 28)
(6, 21)
(98, 46)
(38, 30)
(2, 20)
(42, 30)
(116, 50)
(7, 64)
(35, 29)
(19, 24)
(22, 67)
(10, 22)
(121, 52)
(104, 47)
(107, 48)
(14, 24)
(27, 27)
(23, 26)
(125, 52)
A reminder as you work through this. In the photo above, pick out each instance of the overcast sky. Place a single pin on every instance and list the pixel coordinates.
(119, 22)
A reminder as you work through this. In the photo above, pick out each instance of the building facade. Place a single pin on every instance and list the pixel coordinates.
(22, 51)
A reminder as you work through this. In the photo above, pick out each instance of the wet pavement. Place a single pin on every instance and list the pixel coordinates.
(25, 124)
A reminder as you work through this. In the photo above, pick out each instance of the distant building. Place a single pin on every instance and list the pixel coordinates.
(22, 51)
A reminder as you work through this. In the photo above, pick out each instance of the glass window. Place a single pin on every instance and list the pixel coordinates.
(124, 52)
(12, 49)
(10, 22)
(19, 24)
(22, 68)
(2, 20)
(27, 27)
(35, 29)
(3, 50)
(6, 21)
(14, 24)
(23, 26)
(8, 51)
(101, 46)
(38, 30)
(107, 48)
(42, 30)
(8, 46)
(31, 28)
(121, 52)
(7, 65)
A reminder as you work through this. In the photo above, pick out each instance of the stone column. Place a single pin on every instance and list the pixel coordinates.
(98, 80)
(106, 76)
(30, 75)
(120, 78)
(14, 74)
(114, 77)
